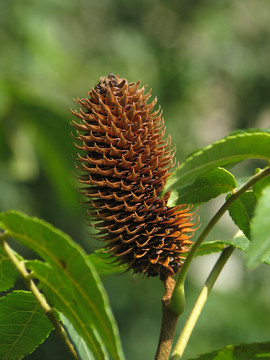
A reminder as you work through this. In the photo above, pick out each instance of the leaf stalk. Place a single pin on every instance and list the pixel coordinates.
(199, 304)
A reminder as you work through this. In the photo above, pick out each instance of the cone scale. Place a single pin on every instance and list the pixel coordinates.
(123, 163)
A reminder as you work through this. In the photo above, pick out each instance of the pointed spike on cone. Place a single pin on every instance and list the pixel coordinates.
(147, 95)
(146, 207)
(139, 163)
(133, 176)
(151, 106)
(138, 144)
(139, 102)
(138, 125)
(93, 95)
(133, 89)
(124, 99)
(81, 102)
(132, 112)
(110, 98)
(123, 121)
(129, 133)
(118, 109)
(154, 195)
(123, 88)
(122, 143)
(131, 153)
(135, 198)
(124, 162)
(110, 119)
(115, 130)
(141, 187)
(115, 151)
(121, 84)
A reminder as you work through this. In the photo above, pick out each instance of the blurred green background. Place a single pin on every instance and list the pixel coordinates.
(208, 62)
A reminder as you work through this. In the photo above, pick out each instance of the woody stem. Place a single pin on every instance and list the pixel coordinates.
(169, 321)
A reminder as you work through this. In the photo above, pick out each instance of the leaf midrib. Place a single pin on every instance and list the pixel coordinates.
(71, 278)
(74, 314)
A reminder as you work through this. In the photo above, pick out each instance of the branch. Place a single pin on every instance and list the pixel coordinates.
(49, 312)
(174, 299)
(179, 287)
(169, 321)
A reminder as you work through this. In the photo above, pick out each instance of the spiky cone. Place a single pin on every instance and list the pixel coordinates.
(124, 163)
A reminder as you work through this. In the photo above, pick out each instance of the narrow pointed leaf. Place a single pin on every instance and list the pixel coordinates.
(239, 352)
(23, 325)
(259, 248)
(70, 282)
(242, 211)
(78, 342)
(204, 188)
(241, 145)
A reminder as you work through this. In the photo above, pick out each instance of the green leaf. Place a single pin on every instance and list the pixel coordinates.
(259, 248)
(79, 344)
(240, 242)
(204, 188)
(233, 148)
(259, 186)
(104, 264)
(23, 325)
(70, 282)
(8, 273)
(209, 247)
(66, 302)
(239, 352)
(242, 210)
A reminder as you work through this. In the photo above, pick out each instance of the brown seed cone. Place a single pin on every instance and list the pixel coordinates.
(124, 164)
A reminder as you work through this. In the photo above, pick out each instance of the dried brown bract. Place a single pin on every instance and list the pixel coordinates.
(124, 163)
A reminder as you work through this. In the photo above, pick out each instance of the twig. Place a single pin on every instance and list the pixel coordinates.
(179, 286)
(173, 306)
(49, 312)
(196, 311)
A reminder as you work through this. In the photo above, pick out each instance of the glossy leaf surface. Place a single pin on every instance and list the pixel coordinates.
(205, 187)
(241, 145)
